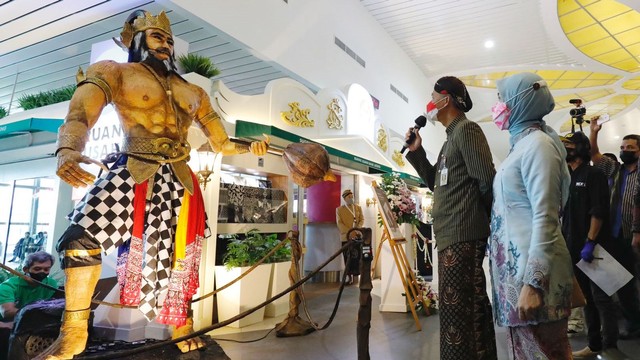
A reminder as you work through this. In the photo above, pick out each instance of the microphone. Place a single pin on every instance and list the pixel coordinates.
(420, 121)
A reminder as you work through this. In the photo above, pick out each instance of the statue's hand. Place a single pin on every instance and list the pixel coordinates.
(260, 148)
(69, 168)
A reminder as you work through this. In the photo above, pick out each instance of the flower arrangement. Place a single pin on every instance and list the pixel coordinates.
(429, 295)
(402, 205)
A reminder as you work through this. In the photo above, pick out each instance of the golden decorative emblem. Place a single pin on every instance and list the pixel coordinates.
(397, 157)
(334, 121)
(382, 139)
(297, 116)
(143, 23)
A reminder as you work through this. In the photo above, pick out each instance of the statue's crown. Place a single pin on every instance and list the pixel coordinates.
(143, 23)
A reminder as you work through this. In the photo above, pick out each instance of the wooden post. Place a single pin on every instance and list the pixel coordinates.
(293, 325)
(364, 312)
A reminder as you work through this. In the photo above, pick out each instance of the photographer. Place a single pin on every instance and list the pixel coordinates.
(625, 181)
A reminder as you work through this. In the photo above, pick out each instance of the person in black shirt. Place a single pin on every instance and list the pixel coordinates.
(585, 223)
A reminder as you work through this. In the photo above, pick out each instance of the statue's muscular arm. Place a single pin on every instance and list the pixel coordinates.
(85, 108)
(211, 124)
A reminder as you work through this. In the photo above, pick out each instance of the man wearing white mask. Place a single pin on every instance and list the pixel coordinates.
(349, 216)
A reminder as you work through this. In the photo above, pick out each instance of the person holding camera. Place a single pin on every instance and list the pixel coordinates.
(625, 185)
(461, 183)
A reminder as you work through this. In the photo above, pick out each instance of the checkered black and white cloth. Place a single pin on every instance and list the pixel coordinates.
(106, 211)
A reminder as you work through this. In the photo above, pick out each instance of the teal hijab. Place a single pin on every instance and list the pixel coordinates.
(527, 105)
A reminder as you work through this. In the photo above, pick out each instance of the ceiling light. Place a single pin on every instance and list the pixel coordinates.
(489, 44)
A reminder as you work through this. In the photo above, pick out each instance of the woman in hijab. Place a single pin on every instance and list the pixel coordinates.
(530, 265)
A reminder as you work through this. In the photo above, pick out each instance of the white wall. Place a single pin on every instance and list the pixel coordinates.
(300, 37)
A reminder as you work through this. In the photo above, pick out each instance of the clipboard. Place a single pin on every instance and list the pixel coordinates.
(605, 271)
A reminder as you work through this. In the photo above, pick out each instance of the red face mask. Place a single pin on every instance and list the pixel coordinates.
(432, 110)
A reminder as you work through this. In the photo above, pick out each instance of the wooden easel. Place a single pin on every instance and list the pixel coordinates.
(407, 276)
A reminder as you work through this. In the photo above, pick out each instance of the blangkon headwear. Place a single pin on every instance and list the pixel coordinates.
(455, 87)
(346, 193)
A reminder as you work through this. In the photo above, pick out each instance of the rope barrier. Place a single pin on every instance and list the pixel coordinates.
(281, 244)
(60, 291)
(99, 302)
(111, 355)
(335, 307)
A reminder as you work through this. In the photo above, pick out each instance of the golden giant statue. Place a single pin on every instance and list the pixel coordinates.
(148, 205)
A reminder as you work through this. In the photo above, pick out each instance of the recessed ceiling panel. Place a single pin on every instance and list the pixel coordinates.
(562, 101)
(557, 79)
(611, 106)
(604, 30)
(633, 84)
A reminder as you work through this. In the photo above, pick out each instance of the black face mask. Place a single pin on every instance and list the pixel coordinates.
(628, 157)
(38, 276)
(572, 155)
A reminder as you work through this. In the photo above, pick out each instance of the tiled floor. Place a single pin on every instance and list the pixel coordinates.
(392, 335)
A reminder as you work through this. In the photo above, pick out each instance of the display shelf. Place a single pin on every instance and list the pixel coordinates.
(229, 228)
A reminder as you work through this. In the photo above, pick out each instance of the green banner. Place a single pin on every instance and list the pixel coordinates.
(245, 129)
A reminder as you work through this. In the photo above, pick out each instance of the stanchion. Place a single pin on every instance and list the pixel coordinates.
(293, 325)
(364, 312)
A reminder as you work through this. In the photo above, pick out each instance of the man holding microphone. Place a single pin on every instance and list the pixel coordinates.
(461, 180)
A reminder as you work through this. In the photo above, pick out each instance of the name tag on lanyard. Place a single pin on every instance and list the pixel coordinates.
(444, 171)
(444, 175)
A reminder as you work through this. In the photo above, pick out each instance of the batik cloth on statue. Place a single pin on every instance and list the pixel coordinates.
(158, 235)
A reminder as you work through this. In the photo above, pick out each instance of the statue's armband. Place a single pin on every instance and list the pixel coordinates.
(72, 135)
(106, 89)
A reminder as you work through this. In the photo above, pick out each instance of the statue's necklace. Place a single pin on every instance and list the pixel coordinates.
(166, 85)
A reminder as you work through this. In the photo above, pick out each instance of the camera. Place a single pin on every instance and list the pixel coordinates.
(579, 111)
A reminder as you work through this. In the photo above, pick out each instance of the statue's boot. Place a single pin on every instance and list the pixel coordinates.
(185, 346)
(79, 286)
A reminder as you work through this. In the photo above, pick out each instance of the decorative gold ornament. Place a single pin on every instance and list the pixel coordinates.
(382, 139)
(206, 162)
(297, 116)
(80, 76)
(143, 23)
(334, 121)
(397, 157)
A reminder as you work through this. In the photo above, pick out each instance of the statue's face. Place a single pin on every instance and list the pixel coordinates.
(159, 43)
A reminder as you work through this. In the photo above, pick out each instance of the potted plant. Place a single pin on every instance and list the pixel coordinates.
(3, 112)
(242, 253)
(279, 280)
(44, 98)
(197, 69)
(198, 64)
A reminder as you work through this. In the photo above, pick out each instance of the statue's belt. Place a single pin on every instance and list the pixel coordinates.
(146, 155)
